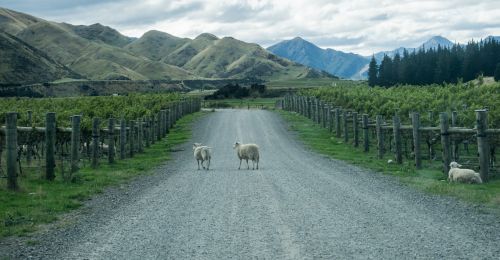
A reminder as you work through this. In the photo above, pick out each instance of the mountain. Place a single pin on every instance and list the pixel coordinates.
(345, 65)
(432, 43)
(99, 52)
(21, 63)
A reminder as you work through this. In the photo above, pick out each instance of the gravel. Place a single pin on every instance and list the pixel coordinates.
(298, 205)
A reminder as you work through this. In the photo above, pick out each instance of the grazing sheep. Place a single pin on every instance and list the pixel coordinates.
(462, 175)
(247, 152)
(202, 153)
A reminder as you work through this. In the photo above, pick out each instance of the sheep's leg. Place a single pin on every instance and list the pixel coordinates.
(208, 164)
(240, 165)
(198, 164)
(202, 165)
(257, 164)
(248, 166)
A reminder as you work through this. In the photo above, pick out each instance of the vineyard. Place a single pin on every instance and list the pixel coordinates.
(415, 123)
(65, 134)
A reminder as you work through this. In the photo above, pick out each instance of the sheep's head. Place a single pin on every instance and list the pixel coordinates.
(455, 165)
(196, 145)
(236, 145)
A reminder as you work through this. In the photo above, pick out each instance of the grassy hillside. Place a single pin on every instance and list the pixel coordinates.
(155, 45)
(22, 63)
(98, 52)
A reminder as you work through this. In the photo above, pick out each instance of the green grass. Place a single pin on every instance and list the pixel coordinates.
(309, 83)
(267, 103)
(429, 179)
(39, 201)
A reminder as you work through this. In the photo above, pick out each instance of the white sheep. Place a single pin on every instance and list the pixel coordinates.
(202, 153)
(455, 174)
(247, 152)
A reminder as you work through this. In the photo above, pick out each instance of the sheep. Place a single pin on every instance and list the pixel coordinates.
(455, 174)
(247, 152)
(202, 153)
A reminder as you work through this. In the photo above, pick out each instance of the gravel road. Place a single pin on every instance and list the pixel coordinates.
(298, 205)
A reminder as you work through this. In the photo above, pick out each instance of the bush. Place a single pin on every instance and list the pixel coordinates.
(497, 73)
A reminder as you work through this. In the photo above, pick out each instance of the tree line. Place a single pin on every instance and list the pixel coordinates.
(438, 65)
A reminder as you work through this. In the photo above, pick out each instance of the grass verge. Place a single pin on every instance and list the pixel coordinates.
(429, 179)
(39, 201)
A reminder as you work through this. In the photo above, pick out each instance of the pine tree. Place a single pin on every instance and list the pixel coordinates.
(497, 73)
(373, 73)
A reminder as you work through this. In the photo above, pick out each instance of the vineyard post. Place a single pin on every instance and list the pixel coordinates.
(152, 128)
(313, 109)
(445, 141)
(75, 143)
(454, 144)
(172, 113)
(380, 136)
(140, 135)
(366, 141)
(309, 108)
(111, 140)
(95, 142)
(346, 126)
(337, 122)
(415, 121)
(165, 122)
(325, 111)
(431, 117)
(147, 131)
(158, 126)
(330, 120)
(11, 140)
(321, 110)
(168, 120)
(397, 138)
(131, 138)
(162, 125)
(317, 111)
(302, 105)
(482, 143)
(355, 127)
(29, 150)
(123, 136)
(50, 144)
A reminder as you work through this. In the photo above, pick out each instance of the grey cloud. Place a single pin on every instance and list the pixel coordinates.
(240, 12)
(380, 17)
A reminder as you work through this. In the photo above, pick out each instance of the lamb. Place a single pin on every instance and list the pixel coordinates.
(247, 152)
(455, 174)
(202, 153)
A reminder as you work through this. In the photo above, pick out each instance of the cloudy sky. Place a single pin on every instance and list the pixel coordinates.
(360, 26)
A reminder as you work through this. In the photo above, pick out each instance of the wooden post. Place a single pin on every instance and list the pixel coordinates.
(131, 138)
(75, 144)
(325, 112)
(309, 108)
(123, 138)
(355, 128)
(147, 131)
(95, 142)
(346, 126)
(397, 138)
(380, 136)
(140, 135)
(330, 119)
(445, 141)
(158, 126)
(50, 145)
(111, 140)
(11, 140)
(482, 143)
(454, 144)
(337, 122)
(366, 140)
(168, 120)
(317, 111)
(415, 121)
(29, 150)
(152, 131)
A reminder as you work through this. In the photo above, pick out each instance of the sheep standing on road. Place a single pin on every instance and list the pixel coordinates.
(202, 153)
(455, 174)
(247, 152)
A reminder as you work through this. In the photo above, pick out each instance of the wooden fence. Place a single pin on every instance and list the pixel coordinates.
(133, 136)
(349, 124)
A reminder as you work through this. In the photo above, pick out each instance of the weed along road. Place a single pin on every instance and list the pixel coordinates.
(298, 205)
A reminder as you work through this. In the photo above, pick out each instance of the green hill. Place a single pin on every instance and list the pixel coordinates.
(21, 63)
(98, 52)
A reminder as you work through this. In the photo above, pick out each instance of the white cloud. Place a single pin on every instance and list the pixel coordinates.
(360, 26)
